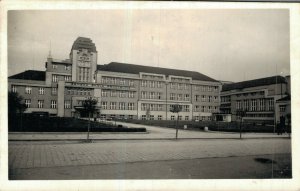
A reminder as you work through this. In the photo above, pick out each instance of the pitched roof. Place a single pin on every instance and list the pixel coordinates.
(253, 83)
(136, 69)
(30, 75)
(83, 42)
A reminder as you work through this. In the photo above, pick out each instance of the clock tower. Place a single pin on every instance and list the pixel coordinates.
(83, 56)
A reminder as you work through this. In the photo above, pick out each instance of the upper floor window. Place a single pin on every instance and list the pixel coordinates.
(54, 90)
(104, 93)
(67, 67)
(173, 85)
(131, 94)
(131, 83)
(152, 95)
(53, 104)
(159, 107)
(28, 90)
(186, 108)
(144, 83)
(180, 86)
(54, 66)
(152, 84)
(27, 103)
(186, 86)
(14, 88)
(54, 78)
(159, 95)
(113, 94)
(122, 81)
(122, 105)
(144, 107)
(179, 97)
(41, 91)
(67, 104)
(130, 106)
(40, 103)
(67, 78)
(122, 94)
(186, 97)
(144, 95)
(104, 105)
(113, 105)
(159, 84)
(172, 96)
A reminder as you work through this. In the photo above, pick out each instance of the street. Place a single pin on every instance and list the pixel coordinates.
(133, 158)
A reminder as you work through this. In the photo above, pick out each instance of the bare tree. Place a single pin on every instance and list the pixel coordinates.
(176, 109)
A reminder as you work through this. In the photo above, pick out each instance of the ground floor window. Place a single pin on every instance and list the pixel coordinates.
(179, 117)
(186, 118)
(143, 117)
(159, 117)
(197, 118)
(151, 117)
(172, 117)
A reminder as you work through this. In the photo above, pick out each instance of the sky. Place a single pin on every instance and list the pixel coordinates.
(225, 44)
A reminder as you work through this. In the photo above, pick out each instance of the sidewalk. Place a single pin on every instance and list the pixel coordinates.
(153, 133)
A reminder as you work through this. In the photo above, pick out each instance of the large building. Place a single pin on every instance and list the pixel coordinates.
(264, 100)
(122, 90)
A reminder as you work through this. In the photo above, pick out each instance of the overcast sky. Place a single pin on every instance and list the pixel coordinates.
(231, 45)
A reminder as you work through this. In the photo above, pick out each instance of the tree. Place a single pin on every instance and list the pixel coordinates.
(241, 113)
(176, 109)
(16, 106)
(89, 106)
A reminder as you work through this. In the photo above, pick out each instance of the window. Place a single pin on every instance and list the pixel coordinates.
(179, 118)
(152, 107)
(172, 117)
(130, 116)
(209, 88)
(261, 104)
(282, 108)
(67, 78)
(27, 103)
(196, 87)
(152, 84)
(131, 94)
(216, 88)
(152, 95)
(130, 106)
(67, 104)
(144, 107)
(104, 93)
(159, 117)
(159, 95)
(186, 118)
(143, 117)
(179, 97)
(14, 88)
(203, 109)
(172, 96)
(216, 109)
(113, 105)
(131, 83)
(144, 95)
(203, 98)
(186, 108)
(159, 107)
(122, 94)
(197, 98)
(186, 97)
(54, 66)
(270, 105)
(215, 98)
(54, 90)
(28, 90)
(53, 104)
(186, 86)
(209, 98)
(113, 94)
(180, 86)
(122, 116)
(104, 105)
(67, 67)
(151, 117)
(122, 106)
(196, 118)
(40, 103)
(41, 91)
(209, 108)
(54, 78)
(159, 84)
(196, 108)
(173, 85)
(144, 83)
(122, 81)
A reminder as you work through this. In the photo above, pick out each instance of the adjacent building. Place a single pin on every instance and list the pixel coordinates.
(264, 100)
(122, 90)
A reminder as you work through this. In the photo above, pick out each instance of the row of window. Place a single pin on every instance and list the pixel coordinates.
(117, 81)
(67, 67)
(152, 76)
(28, 90)
(53, 104)
(151, 84)
(78, 92)
(255, 104)
(113, 93)
(184, 97)
(83, 74)
(151, 95)
(206, 88)
(55, 77)
(213, 109)
(205, 98)
(121, 106)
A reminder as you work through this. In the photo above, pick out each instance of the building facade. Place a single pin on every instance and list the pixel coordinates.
(122, 90)
(258, 98)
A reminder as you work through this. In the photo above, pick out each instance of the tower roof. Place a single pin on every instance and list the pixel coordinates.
(84, 43)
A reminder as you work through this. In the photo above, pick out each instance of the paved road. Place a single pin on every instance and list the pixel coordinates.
(153, 133)
(245, 167)
(43, 154)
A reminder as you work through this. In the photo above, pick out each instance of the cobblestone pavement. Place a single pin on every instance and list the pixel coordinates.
(153, 133)
(54, 154)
